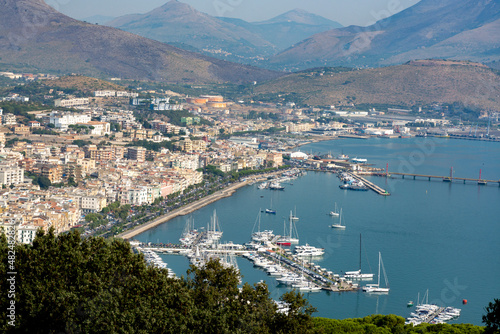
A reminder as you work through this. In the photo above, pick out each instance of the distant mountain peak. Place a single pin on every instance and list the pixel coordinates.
(449, 29)
(36, 37)
(302, 16)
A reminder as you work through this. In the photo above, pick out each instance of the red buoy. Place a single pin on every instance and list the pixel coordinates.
(464, 301)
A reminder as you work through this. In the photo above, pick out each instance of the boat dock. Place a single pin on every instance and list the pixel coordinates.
(321, 277)
(434, 314)
(370, 185)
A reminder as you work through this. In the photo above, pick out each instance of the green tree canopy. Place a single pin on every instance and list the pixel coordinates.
(492, 317)
(66, 284)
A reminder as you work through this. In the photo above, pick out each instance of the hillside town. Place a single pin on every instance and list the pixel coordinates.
(82, 153)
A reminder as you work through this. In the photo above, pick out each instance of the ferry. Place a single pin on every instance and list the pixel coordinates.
(359, 186)
(276, 186)
(359, 160)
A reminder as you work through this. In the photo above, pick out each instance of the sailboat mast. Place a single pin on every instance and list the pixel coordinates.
(290, 225)
(379, 256)
(360, 253)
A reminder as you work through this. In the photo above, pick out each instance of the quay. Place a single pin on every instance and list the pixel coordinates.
(443, 178)
(370, 185)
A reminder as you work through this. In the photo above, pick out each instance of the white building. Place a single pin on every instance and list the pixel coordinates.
(81, 101)
(134, 196)
(62, 121)
(26, 233)
(92, 203)
(186, 162)
(247, 141)
(166, 106)
(126, 94)
(10, 173)
(99, 128)
(9, 119)
(105, 93)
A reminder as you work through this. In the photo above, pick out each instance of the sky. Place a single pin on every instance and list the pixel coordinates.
(346, 12)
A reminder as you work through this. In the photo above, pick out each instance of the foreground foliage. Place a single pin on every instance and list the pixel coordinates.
(67, 284)
(388, 324)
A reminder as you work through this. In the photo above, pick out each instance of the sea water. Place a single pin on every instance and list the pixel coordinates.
(435, 236)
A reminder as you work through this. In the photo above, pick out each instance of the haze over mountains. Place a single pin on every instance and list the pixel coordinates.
(452, 29)
(36, 37)
(179, 24)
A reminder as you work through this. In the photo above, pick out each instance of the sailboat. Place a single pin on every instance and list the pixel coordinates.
(263, 236)
(339, 225)
(357, 274)
(189, 234)
(375, 288)
(336, 212)
(271, 211)
(294, 217)
(288, 240)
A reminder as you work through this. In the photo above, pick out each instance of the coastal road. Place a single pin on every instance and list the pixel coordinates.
(229, 191)
(184, 210)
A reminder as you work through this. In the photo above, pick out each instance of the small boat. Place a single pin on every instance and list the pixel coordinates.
(271, 211)
(294, 216)
(410, 303)
(357, 185)
(342, 156)
(375, 288)
(339, 225)
(336, 212)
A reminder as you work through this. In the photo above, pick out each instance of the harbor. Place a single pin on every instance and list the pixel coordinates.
(413, 242)
(264, 250)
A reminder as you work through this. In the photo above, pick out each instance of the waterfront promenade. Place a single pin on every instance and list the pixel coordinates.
(227, 192)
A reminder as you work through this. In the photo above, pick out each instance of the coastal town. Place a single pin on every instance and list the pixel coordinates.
(79, 155)
(183, 166)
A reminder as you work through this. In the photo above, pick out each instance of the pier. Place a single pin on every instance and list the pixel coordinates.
(437, 177)
(434, 314)
(321, 277)
(370, 185)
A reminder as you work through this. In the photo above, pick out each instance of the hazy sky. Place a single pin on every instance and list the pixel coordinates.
(346, 12)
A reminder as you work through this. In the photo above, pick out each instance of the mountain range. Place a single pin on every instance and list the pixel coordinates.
(451, 29)
(36, 37)
(179, 24)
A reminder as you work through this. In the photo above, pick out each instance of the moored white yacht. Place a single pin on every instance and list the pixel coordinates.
(376, 288)
(307, 250)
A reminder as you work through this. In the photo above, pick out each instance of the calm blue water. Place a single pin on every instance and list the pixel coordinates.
(432, 235)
